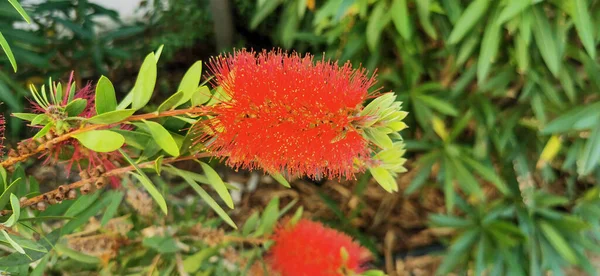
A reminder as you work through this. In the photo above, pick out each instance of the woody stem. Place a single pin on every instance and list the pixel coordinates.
(50, 143)
(113, 172)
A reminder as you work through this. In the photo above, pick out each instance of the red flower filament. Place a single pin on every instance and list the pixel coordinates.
(288, 113)
(309, 248)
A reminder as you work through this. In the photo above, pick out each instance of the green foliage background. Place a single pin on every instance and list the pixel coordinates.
(500, 93)
(503, 99)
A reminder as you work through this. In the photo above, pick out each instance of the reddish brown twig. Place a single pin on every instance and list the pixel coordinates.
(50, 143)
(114, 172)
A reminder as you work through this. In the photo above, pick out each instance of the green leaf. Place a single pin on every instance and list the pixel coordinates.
(377, 21)
(25, 243)
(8, 52)
(468, 19)
(267, 7)
(201, 95)
(158, 164)
(580, 118)
(193, 263)
(20, 10)
(558, 241)
(217, 184)
(512, 9)
(384, 178)
(101, 140)
(25, 116)
(163, 138)
(111, 117)
(489, 49)
(440, 220)
(162, 244)
(250, 224)
(487, 173)
(584, 25)
(379, 138)
(41, 266)
(281, 179)
(442, 106)
(40, 119)
(189, 82)
(546, 41)
(401, 18)
(76, 255)
(145, 82)
(6, 195)
(16, 208)
(171, 102)
(158, 197)
(81, 204)
(591, 152)
(423, 11)
(207, 198)
(75, 107)
(112, 209)
(269, 217)
(106, 100)
(12, 243)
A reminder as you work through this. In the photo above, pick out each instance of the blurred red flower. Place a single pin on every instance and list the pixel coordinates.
(285, 113)
(309, 248)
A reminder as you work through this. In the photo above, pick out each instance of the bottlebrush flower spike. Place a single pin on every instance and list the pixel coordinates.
(285, 113)
(309, 248)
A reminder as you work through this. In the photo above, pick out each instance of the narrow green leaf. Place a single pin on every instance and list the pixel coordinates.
(106, 100)
(281, 179)
(20, 10)
(16, 208)
(217, 184)
(163, 138)
(171, 102)
(145, 82)
(207, 198)
(12, 243)
(401, 18)
(487, 173)
(489, 49)
(384, 178)
(75, 107)
(269, 217)
(101, 140)
(558, 241)
(546, 41)
(189, 82)
(25, 116)
(8, 52)
(145, 181)
(423, 11)
(445, 107)
(201, 95)
(76, 255)
(111, 117)
(112, 209)
(591, 152)
(468, 19)
(158, 164)
(584, 25)
(5, 197)
(512, 9)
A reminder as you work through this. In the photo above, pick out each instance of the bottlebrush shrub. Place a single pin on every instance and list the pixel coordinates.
(283, 113)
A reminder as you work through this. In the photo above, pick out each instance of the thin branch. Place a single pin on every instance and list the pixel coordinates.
(50, 143)
(114, 172)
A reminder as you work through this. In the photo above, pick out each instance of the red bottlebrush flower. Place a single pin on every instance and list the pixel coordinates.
(309, 248)
(284, 112)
